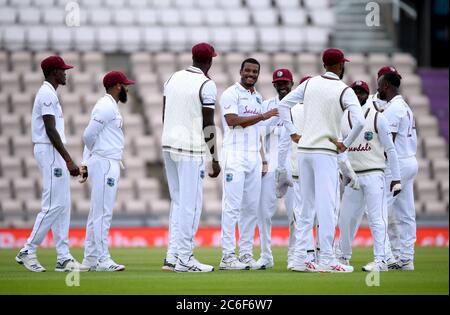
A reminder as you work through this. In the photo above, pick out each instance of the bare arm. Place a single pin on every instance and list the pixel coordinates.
(164, 108)
(234, 120)
(55, 139)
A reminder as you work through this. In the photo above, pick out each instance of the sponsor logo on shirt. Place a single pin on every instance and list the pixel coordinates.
(229, 177)
(202, 174)
(361, 148)
(248, 110)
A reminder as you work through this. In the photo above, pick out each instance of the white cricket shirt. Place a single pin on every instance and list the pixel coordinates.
(46, 102)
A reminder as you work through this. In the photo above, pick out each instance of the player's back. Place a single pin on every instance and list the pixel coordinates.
(183, 119)
(323, 111)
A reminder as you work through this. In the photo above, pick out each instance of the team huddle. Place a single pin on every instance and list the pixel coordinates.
(332, 152)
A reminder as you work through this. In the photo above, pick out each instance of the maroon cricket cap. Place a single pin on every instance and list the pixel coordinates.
(114, 77)
(305, 78)
(203, 52)
(361, 85)
(54, 62)
(333, 56)
(282, 75)
(388, 69)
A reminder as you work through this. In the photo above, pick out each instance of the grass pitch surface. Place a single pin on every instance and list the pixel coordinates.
(143, 275)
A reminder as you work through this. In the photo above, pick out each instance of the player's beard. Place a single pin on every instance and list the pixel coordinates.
(123, 97)
(342, 73)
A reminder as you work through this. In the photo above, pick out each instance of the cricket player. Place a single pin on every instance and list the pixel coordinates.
(367, 158)
(188, 132)
(282, 82)
(104, 145)
(401, 209)
(288, 161)
(242, 110)
(325, 98)
(55, 165)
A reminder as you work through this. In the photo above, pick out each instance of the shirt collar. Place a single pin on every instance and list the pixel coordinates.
(395, 98)
(195, 69)
(50, 86)
(244, 89)
(111, 99)
(331, 75)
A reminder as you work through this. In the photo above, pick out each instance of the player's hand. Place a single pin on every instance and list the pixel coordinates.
(295, 137)
(354, 183)
(339, 145)
(270, 113)
(396, 187)
(265, 168)
(73, 168)
(215, 169)
(282, 182)
(83, 174)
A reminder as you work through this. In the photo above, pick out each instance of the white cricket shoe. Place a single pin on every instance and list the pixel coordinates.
(334, 266)
(304, 266)
(71, 265)
(192, 265)
(249, 261)
(29, 261)
(169, 263)
(344, 261)
(231, 262)
(406, 265)
(109, 266)
(91, 264)
(375, 266)
(263, 264)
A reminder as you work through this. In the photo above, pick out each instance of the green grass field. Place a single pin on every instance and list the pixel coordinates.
(143, 276)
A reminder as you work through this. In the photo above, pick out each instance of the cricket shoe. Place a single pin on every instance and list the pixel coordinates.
(29, 261)
(344, 261)
(334, 266)
(304, 266)
(249, 261)
(69, 265)
(311, 256)
(263, 264)
(91, 264)
(406, 265)
(109, 266)
(231, 262)
(192, 265)
(392, 264)
(169, 264)
(375, 266)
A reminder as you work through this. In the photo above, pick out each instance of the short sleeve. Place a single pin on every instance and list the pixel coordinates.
(394, 117)
(229, 103)
(47, 104)
(209, 94)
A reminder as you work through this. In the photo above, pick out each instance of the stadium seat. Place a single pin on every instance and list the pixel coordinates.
(81, 207)
(238, 17)
(100, 17)
(107, 39)
(356, 66)
(322, 18)
(287, 4)
(169, 17)
(37, 38)
(424, 171)
(21, 146)
(246, 39)
(61, 39)
(130, 39)
(44, 3)
(84, 38)
(123, 17)
(435, 148)
(78, 191)
(269, 38)
(31, 168)
(134, 167)
(284, 60)
(126, 190)
(440, 169)
(148, 189)
(145, 147)
(293, 18)
(435, 208)
(11, 167)
(11, 125)
(32, 81)
(404, 62)
(160, 4)
(215, 17)
(426, 190)
(8, 16)
(72, 58)
(54, 16)
(31, 208)
(141, 4)
(93, 62)
(81, 82)
(222, 39)
(166, 62)
(411, 84)
(21, 61)
(376, 61)
(444, 191)
(4, 64)
(153, 39)
(160, 207)
(316, 4)
(427, 125)
(25, 189)
(91, 3)
(135, 207)
(316, 38)
(419, 104)
(14, 38)
(71, 105)
(5, 145)
(265, 17)
(13, 209)
(308, 64)
(29, 16)
(6, 192)
(114, 3)
(147, 17)
(192, 17)
(176, 38)
(292, 40)
(198, 35)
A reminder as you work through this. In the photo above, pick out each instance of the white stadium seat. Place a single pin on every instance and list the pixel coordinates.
(169, 17)
(38, 38)
(153, 39)
(14, 38)
(61, 38)
(147, 17)
(198, 35)
(269, 38)
(84, 38)
(107, 39)
(192, 17)
(9, 81)
(93, 62)
(245, 39)
(322, 17)
(257, 4)
(223, 39)
(316, 4)
(207, 4)
(292, 39)
(238, 17)
(124, 17)
(21, 61)
(114, 3)
(293, 17)
(287, 4)
(8, 16)
(215, 17)
(29, 16)
(316, 38)
(137, 4)
(176, 38)
(54, 16)
(130, 39)
(265, 17)
(184, 4)
(230, 3)
(100, 16)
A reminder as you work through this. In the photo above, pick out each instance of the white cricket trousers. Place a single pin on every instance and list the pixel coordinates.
(240, 200)
(104, 175)
(372, 197)
(185, 179)
(267, 209)
(319, 186)
(55, 209)
(402, 212)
